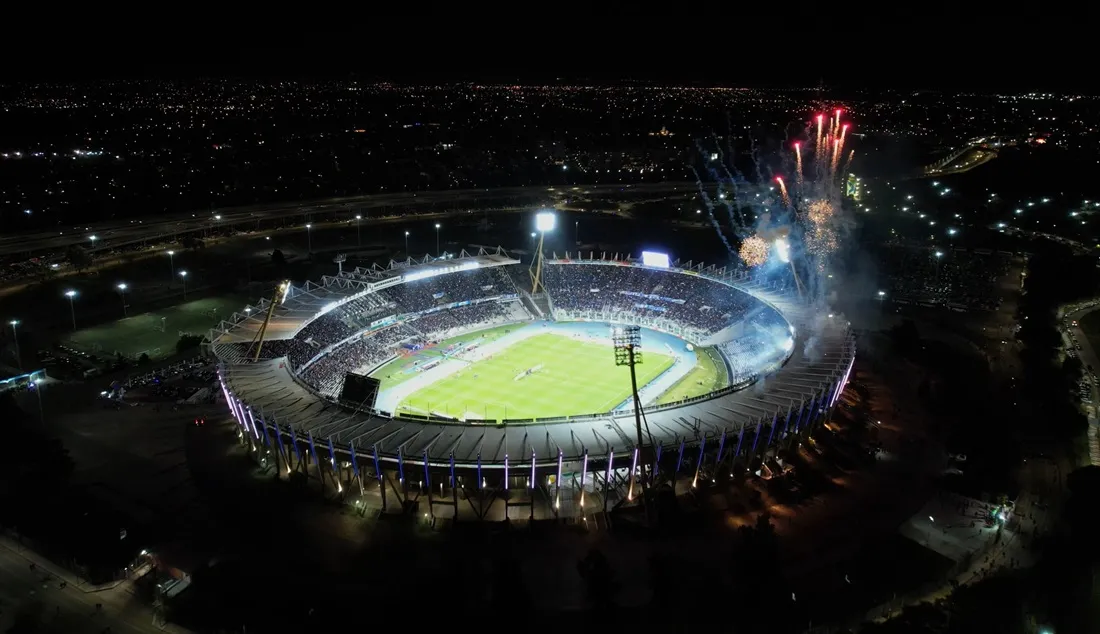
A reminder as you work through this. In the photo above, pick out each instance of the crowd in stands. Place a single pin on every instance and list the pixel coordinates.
(446, 323)
(420, 295)
(955, 278)
(326, 374)
(689, 300)
(346, 320)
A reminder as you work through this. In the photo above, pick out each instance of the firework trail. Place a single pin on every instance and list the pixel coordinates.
(798, 225)
(798, 163)
(817, 142)
(783, 191)
(710, 213)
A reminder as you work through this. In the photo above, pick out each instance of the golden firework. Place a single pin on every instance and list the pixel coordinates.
(754, 251)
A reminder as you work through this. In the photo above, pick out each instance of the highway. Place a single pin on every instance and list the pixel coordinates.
(116, 233)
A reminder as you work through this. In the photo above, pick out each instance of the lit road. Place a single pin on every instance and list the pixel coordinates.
(117, 233)
(37, 598)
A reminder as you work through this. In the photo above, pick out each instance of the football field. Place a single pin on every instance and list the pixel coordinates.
(142, 333)
(540, 376)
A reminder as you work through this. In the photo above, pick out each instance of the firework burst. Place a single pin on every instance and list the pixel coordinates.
(754, 251)
(803, 210)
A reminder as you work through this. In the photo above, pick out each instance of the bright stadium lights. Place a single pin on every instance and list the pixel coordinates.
(545, 221)
(652, 258)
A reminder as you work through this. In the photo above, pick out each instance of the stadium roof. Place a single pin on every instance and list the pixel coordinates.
(303, 304)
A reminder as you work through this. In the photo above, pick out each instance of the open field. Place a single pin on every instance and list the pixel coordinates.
(568, 377)
(708, 375)
(141, 333)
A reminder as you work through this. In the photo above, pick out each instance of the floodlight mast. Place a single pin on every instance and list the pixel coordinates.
(544, 221)
(277, 298)
(628, 351)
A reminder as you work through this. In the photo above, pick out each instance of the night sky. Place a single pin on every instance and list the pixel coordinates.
(924, 49)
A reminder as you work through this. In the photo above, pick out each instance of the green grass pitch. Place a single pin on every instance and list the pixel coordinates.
(573, 378)
(140, 333)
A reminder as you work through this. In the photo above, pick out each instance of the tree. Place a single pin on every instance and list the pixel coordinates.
(188, 342)
(278, 259)
(599, 579)
(78, 258)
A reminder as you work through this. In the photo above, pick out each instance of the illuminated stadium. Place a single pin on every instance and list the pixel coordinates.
(446, 385)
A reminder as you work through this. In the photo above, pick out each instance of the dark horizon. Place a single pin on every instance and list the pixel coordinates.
(864, 55)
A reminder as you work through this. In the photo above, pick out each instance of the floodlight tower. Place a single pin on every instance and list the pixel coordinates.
(544, 221)
(628, 352)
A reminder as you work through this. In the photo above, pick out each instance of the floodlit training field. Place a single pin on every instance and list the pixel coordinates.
(540, 376)
(142, 333)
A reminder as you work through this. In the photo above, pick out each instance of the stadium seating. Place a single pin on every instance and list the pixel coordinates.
(689, 300)
(326, 374)
(472, 285)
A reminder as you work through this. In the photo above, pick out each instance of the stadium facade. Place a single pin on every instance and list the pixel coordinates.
(288, 403)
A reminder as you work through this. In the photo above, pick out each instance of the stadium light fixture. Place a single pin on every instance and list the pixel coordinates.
(545, 221)
(627, 341)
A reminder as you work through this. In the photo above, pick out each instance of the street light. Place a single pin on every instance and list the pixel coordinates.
(72, 308)
(172, 262)
(309, 236)
(358, 236)
(38, 392)
(93, 238)
(437, 225)
(406, 244)
(183, 276)
(15, 335)
(122, 293)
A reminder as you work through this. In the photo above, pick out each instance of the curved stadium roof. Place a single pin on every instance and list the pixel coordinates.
(821, 360)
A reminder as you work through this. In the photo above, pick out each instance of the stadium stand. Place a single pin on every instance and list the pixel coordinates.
(472, 285)
(604, 290)
(326, 374)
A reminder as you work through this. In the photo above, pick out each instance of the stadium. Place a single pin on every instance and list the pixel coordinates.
(446, 385)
